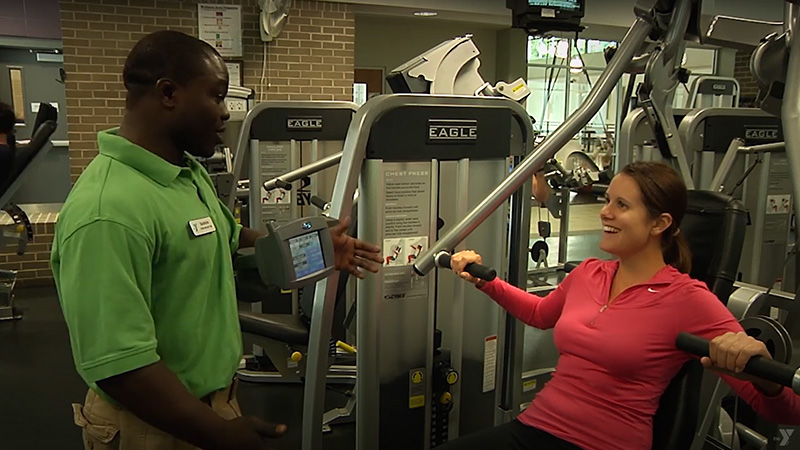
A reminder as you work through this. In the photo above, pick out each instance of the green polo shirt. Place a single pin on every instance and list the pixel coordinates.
(140, 276)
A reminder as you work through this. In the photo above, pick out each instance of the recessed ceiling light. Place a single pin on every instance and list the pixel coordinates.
(426, 14)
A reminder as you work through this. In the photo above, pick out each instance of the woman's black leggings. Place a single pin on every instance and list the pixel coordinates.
(510, 436)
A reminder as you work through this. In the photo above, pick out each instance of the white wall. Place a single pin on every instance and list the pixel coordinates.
(761, 9)
(387, 42)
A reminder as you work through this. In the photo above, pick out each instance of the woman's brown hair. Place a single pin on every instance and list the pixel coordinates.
(663, 191)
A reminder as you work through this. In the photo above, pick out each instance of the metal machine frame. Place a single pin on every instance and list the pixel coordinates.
(352, 168)
(256, 149)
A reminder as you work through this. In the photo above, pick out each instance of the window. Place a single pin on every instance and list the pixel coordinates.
(17, 98)
(561, 72)
(699, 61)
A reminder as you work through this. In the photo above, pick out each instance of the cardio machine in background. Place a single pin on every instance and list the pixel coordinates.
(19, 231)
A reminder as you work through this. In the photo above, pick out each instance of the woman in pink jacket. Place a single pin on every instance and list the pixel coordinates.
(615, 324)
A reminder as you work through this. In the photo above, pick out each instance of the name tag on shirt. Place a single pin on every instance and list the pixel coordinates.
(201, 227)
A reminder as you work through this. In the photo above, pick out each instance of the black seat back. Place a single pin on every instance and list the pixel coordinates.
(714, 226)
(46, 113)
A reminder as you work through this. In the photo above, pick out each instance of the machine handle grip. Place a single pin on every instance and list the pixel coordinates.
(758, 366)
(476, 270)
(319, 202)
(283, 185)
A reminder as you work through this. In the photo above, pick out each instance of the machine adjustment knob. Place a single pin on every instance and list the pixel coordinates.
(296, 356)
(446, 398)
(451, 377)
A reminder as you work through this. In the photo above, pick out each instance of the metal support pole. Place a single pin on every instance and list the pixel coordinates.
(304, 171)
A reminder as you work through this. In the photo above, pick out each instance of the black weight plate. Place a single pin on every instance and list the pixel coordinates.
(538, 246)
(772, 334)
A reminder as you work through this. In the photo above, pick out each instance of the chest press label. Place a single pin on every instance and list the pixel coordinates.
(452, 131)
(406, 212)
(201, 227)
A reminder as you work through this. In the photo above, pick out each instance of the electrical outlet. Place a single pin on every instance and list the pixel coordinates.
(236, 105)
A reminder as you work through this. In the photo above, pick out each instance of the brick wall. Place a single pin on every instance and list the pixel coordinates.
(33, 268)
(741, 71)
(313, 58)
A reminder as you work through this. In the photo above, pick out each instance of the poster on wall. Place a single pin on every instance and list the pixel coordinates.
(221, 27)
(234, 73)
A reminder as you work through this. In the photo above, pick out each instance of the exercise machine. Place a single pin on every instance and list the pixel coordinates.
(276, 138)
(452, 68)
(20, 231)
(279, 137)
(420, 163)
(713, 91)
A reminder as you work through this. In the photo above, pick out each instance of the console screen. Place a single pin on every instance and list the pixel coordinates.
(306, 254)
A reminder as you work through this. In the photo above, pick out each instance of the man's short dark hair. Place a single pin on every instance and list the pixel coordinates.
(7, 119)
(164, 54)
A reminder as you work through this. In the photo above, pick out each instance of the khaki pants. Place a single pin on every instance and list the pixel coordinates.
(109, 427)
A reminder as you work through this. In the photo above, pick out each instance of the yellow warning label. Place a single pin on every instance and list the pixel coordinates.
(417, 377)
(452, 378)
(416, 402)
(529, 385)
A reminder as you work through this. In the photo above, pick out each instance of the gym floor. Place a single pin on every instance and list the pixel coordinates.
(38, 382)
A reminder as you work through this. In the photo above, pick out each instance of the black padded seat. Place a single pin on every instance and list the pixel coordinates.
(286, 328)
(714, 226)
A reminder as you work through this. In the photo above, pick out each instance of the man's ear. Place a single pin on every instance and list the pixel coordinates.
(166, 89)
(663, 222)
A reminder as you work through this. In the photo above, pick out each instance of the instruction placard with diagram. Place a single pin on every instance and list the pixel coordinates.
(274, 160)
(779, 204)
(221, 27)
(275, 197)
(406, 227)
(403, 251)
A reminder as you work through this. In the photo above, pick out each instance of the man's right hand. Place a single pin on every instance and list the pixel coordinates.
(155, 395)
(249, 433)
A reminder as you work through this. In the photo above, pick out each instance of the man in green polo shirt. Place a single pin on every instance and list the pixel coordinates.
(149, 302)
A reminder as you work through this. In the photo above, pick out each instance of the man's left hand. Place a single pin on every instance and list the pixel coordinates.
(352, 253)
